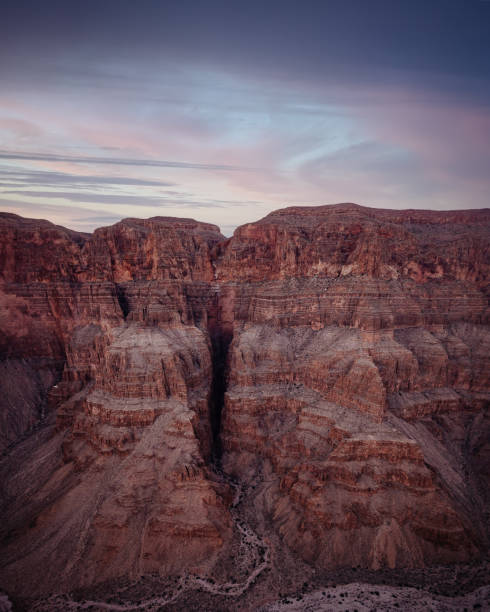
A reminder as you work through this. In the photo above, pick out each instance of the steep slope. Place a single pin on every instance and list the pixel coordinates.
(116, 483)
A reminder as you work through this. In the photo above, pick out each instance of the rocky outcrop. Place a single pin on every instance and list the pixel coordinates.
(334, 360)
(161, 248)
(98, 339)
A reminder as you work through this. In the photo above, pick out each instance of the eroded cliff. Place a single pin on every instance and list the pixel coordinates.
(333, 360)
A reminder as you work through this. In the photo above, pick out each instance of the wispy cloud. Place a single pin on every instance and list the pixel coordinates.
(123, 199)
(94, 198)
(97, 220)
(39, 178)
(71, 216)
(118, 161)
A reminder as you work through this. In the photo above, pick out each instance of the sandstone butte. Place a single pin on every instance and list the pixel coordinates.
(334, 360)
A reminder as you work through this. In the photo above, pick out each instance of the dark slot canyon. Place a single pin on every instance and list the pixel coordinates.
(220, 344)
(122, 300)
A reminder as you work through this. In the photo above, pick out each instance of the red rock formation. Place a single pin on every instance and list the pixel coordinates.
(127, 490)
(350, 240)
(161, 248)
(353, 346)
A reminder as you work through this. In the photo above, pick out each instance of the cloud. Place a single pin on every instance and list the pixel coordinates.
(33, 178)
(129, 200)
(117, 161)
(98, 220)
(31, 208)
(20, 127)
(94, 198)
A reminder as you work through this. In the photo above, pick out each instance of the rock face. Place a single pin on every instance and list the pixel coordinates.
(119, 484)
(335, 360)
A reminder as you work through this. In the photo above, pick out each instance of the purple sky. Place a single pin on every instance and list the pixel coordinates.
(224, 111)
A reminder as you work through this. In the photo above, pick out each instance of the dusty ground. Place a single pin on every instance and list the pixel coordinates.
(366, 597)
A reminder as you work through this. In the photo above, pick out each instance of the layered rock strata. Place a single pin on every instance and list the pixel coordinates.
(359, 367)
(335, 358)
(120, 483)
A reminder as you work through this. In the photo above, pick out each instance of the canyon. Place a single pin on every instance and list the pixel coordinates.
(306, 397)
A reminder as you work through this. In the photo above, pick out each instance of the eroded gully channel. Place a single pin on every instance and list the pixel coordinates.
(220, 343)
(220, 329)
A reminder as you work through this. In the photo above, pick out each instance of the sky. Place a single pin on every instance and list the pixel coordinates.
(225, 111)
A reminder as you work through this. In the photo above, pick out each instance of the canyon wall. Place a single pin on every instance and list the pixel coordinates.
(335, 360)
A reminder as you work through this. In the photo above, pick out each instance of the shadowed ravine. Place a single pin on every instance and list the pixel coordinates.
(220, 343)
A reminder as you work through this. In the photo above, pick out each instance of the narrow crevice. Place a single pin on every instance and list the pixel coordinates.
(220, 343)
(122, 299)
